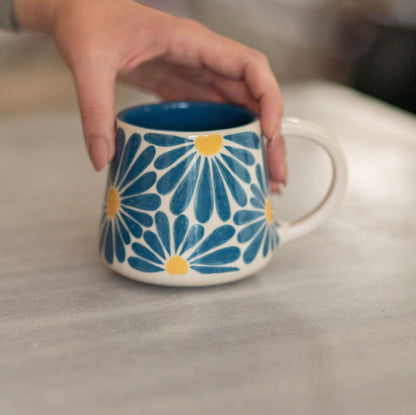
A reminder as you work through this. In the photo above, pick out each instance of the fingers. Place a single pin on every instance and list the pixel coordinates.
(197, 47)
(234, 91)
(275, 156)
(265, 90)
(240, 63)
(261, 91)
(95, 89)
(173, 81)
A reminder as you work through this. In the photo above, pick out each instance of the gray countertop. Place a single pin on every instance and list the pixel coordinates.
(329, 327)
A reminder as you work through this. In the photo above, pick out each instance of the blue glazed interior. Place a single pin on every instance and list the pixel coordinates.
(187, 116)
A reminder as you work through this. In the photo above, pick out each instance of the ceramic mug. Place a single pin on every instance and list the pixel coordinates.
(187, 201)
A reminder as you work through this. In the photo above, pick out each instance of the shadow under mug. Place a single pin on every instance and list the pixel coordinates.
(187, 201)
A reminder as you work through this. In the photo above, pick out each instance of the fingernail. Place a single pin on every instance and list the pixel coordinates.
(98, 152)
(275, 187)
(277, 132)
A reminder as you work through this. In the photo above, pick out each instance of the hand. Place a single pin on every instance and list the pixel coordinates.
(179, 59)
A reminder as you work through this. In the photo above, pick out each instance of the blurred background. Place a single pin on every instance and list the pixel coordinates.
(369, 45)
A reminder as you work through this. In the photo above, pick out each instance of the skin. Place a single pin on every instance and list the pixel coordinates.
(102, 41)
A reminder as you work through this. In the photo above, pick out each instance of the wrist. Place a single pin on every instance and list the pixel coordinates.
(35, 15)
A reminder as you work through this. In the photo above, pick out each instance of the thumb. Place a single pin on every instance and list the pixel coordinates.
(95, 90)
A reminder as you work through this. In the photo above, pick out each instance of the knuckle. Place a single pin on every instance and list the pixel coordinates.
(260, 58)
(190, 24)
(191, 27)
(95, 121)
(94, 113)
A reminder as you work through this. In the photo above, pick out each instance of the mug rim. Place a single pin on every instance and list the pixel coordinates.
(123, 114)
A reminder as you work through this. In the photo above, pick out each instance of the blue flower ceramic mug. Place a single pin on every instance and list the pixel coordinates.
(187, 201)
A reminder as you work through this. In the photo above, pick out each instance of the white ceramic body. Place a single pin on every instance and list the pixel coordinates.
(202, 202)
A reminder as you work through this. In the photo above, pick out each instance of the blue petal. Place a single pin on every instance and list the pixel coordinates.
(123, 230)
(172, 177)
(120, 140)
(247, 139)
(153, 241)
(260, 177)
(220, 257)
(236, 189)
(213, 270)
(249, 231)
(245, 216)
(109, 247)
(217, 237)
(252, 250)
(167, 159)
(145, 253)
(165, 140)
(257, 192)
(120, 251)
(139, 216)
(256, 203)
(148, 201)
(184, 192)
(267, 243)
(194, 235)
(140, 165)
(103, 237)
(143, 183)
(221, 198)
(134, 227)
(129, 152)
(204, 203)
(237, 168)
(180, 228)
(275, 239)
(162, 227)
(244, 156)
(143, 266)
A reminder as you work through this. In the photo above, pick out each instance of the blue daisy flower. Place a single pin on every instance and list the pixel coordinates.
(183, 247)
(205, 166)
(126, 202)
(258, 225)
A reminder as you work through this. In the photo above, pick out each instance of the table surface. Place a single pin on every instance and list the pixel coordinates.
(329, 327)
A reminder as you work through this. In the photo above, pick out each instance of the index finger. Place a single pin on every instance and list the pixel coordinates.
(236, 61)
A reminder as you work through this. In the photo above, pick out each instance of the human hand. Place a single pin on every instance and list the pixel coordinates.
(176, 58)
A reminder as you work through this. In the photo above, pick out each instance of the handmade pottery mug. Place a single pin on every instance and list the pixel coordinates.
(187, 200)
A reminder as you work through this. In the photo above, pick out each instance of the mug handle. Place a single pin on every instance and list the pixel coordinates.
(311, 220)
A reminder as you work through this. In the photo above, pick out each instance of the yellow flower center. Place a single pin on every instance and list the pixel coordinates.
(269, 211)
(208, 145)
(177, 265)
(113, 202)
